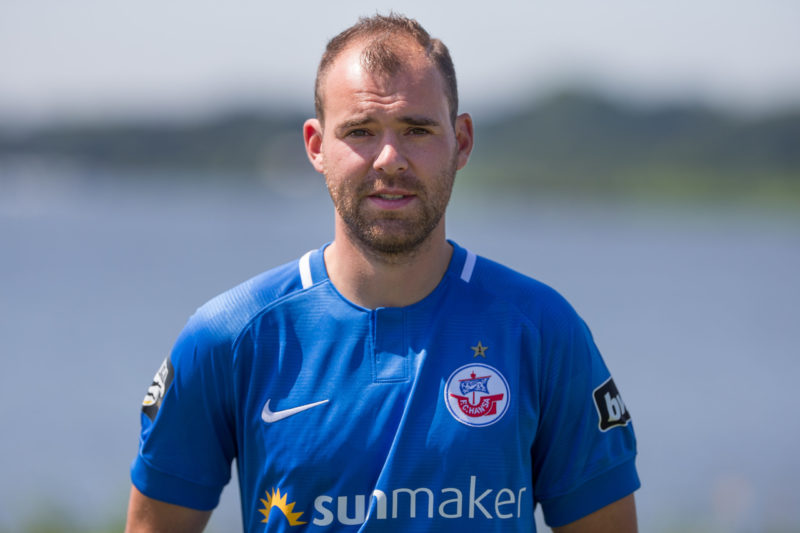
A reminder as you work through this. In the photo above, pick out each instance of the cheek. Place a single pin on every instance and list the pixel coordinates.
(433, 155)
(342, 160)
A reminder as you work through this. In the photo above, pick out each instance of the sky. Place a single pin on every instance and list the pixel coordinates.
(104, 59)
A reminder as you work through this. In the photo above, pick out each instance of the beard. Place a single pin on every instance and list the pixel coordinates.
(392, 234)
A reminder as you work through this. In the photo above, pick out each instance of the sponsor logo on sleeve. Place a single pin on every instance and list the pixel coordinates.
(610, 407)
(157, 390)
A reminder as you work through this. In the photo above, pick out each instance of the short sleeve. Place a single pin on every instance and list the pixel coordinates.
(584, 452)
(187, 440)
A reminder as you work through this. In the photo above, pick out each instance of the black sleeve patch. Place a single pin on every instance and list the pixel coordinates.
(610, 407)
(157, 390)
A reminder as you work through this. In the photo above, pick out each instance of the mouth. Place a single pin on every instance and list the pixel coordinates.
(391, 200)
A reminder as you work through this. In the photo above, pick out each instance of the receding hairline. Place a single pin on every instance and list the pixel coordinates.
(408, 51)
(389, 41)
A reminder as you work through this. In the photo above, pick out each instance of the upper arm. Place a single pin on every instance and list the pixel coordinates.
(585, 447)
(146, 515)
(187, 440)
(617, 517)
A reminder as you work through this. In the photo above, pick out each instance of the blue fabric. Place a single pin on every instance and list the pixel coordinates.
(593, 494)
(461, 411)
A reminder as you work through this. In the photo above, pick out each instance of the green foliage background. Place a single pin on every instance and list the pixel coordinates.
(573, 143)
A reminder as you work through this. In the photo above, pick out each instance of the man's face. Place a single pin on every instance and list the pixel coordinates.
(389, 151)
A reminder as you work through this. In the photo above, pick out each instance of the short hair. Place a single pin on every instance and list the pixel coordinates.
(381, 53)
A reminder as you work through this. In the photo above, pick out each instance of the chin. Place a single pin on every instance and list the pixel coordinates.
(394, 244)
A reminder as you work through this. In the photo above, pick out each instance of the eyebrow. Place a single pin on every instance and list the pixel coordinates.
(419, 121)
(409, 120)
(354, 123)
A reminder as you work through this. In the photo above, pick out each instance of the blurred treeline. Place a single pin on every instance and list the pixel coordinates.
(572, 143)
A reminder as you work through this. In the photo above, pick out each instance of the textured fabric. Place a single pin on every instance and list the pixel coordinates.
(460, 412)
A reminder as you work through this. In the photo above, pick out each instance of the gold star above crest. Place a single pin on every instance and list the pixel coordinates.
(480, 350)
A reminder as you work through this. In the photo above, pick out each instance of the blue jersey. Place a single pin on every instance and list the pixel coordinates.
(460, 412)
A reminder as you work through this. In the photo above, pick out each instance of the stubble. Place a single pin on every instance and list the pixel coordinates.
(392, 235)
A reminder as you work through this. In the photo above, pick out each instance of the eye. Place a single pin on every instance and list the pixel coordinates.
(418, 131)
(359, 132)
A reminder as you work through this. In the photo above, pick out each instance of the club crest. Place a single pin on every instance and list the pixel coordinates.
(477, 395)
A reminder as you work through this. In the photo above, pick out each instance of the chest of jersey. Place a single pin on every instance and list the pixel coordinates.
(408, 417)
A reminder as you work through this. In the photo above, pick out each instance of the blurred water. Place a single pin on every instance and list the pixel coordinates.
(695, 310)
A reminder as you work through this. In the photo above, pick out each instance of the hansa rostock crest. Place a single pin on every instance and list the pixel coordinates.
(477, 395)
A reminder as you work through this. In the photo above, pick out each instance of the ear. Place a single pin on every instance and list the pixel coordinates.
(464, 139)
(312, 136)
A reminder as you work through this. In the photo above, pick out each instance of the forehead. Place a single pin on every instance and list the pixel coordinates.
(349, 87)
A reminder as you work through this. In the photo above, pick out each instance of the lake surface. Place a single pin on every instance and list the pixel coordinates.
(695, 310)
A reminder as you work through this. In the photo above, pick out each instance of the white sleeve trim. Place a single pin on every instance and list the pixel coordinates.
(305, 270)
(469, 265)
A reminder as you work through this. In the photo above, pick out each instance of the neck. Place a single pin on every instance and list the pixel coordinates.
(370, 279)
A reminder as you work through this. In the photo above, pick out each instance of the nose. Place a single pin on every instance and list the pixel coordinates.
(390, 159)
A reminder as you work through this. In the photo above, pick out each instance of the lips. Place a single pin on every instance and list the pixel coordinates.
(393, 199)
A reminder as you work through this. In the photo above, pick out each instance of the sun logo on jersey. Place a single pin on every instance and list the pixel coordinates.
(278, 501)
(477, 395)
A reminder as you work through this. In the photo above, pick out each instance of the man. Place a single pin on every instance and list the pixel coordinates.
(392, 380)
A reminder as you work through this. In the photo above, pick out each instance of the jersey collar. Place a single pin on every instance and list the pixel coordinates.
(313, 271)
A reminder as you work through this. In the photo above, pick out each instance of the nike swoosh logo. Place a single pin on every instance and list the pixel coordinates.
(268, 416)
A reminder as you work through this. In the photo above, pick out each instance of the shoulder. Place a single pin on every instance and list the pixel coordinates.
(220, 320)
(536, 300)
